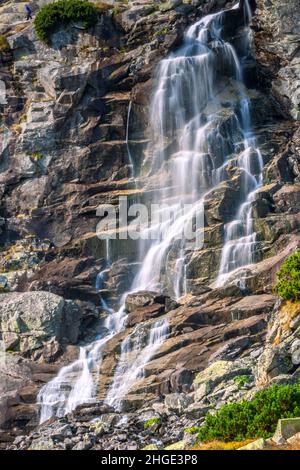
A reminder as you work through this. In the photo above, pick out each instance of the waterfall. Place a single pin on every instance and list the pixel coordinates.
(127, 139)
(200, 124)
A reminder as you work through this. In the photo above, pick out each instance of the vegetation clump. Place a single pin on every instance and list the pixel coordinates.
(61, 12)
(252, 419)
(241, 380)
(288, 286)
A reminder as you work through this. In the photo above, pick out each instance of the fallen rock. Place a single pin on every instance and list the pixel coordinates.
(146, 298)
(273, 362)
(256, 445)
(177, 402)
(286, 428)
(294, 440)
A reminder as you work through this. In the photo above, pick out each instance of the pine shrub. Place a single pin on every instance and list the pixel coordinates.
(61, 12)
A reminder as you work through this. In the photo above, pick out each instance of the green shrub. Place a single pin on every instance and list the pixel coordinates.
(150, 422)
(288, 286)
(62, 12)
(241, 380)
(252, 419)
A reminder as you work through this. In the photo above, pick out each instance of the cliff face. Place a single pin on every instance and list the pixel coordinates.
(65, 140)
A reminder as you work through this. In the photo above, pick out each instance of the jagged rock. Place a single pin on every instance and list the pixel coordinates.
(29, 320)
(144, 299)
(65, 151)
(130, 16)
(256, 445)
(286, 428)
(42, 444)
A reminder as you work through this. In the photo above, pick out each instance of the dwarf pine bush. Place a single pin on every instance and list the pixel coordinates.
(252, 419)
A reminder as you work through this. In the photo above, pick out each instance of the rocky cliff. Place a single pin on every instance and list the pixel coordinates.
(67, 145)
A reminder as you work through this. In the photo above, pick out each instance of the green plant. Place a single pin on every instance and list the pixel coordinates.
(63, 12)
(288, 286)
(241, 380)
(252, 419)
(150, 422)
(4, 46)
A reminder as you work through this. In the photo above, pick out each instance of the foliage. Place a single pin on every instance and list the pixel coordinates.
(288, 286)
(63, 12)
(218, 445)
(150, 422)
(252, 419)
(241, 380)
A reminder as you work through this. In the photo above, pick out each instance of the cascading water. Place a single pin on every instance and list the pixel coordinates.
(134, 356)
(240, 238)
(201, 123)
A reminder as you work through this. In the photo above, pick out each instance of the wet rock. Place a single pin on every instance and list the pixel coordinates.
(218, 373)
(256, 445)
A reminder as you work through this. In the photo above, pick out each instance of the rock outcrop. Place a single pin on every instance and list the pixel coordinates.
(31, 321)
(73, 128)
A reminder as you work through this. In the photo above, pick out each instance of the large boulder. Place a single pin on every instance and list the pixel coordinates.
(273, 362)
(218, 375)
(145, 298)
(29, 320)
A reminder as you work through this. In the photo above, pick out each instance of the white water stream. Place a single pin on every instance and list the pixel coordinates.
(200, 123)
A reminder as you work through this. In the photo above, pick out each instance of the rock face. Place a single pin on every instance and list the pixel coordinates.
(74, 126)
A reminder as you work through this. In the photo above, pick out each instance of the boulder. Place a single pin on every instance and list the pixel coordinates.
(273, 362)
(294, 440)
(146, 298)
(286, 428)
(177, 402)
(129, 17)
(256, 445)
(29, 320)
